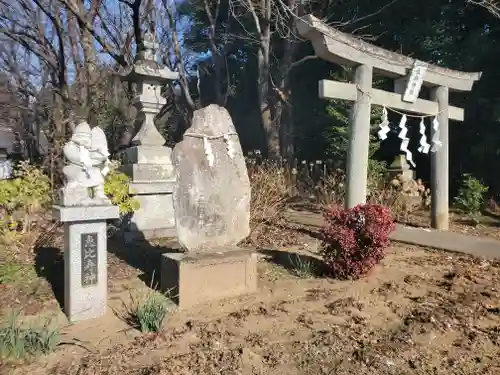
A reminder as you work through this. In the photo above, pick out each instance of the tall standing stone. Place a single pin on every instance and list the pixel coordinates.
(212, 194)
(212, 213)
(148, 162)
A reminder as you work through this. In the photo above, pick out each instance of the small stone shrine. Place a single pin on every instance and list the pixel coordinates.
(402, 177)
(83, 208)
(149, 162)
(212, 213)
(400, 167)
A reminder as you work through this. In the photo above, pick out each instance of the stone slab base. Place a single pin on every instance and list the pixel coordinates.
(192, 279)
(149, 234)
(85, 213)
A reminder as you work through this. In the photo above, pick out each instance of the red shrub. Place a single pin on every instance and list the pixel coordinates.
(355, 240)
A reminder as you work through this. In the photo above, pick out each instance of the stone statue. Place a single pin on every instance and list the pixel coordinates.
(87, 160)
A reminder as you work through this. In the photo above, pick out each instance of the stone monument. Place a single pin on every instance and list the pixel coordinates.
(400, 167)
(148, 162)
(212, 213)
(412, 191)
(83, 208)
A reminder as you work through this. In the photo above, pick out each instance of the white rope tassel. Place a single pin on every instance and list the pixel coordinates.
(424, 146)
(405, 141)
(208, 152)
(229, 146)
(85, 158)
(106, 169)
(384, 125)
(436, 143)
(402, 126)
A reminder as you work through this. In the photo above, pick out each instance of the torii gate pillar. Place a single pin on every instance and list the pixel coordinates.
(440, 163)
(359, 138)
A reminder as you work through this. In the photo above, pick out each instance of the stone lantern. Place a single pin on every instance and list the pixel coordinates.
(148, 162)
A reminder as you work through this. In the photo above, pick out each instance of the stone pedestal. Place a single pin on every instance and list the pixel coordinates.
(199, 278)
(152, 180)
(85, 259)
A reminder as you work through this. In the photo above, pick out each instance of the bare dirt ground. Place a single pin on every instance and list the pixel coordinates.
(419, 312)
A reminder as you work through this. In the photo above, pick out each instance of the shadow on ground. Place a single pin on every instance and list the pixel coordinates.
(143, 255)
(300, 265)
(49, 264)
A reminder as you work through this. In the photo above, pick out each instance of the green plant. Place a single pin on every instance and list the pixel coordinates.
(377, 171)
(337, 134)
(11, 272)
(470, 196)
(116, 187)
(147, 314)
(302, 267)
(21, 197)
(22, 343)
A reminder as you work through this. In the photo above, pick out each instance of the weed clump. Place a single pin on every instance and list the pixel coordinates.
(17, 342)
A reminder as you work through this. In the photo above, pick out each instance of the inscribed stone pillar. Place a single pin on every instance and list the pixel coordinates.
(359, 139)
(85, 259)
(440, 163)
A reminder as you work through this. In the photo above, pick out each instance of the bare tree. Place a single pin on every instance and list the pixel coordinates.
(492, 5)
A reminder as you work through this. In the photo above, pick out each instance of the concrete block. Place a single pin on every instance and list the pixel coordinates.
(154, 219)
(142, 188)
(199, 278)
(148, 155)
(149, 172)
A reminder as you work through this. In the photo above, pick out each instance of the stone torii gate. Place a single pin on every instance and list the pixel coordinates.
(340, 48)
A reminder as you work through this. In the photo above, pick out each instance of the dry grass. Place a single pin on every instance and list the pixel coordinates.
(269, 193)
(401, 206)
(332, 189)
(15, 245)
